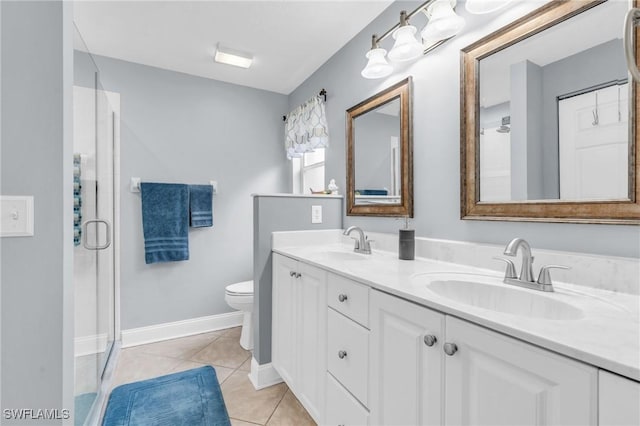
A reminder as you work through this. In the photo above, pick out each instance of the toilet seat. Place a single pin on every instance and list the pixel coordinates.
(242, 288)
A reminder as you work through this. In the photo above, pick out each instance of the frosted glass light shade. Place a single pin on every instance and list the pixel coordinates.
(481, 7)
(377, 67)
(406, 46)
(443, 21)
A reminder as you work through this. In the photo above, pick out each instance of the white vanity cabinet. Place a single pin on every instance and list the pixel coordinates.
(347, 352)
(356, 355)
(483, 378)
(619, 400)
(299, 330)
(407, 362)
(493, 379)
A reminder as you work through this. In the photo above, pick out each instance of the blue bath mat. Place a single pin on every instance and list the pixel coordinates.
(189, 398)
(82, 405)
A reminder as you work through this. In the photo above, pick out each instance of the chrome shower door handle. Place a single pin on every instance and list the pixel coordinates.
(628, 40)
(85, 243)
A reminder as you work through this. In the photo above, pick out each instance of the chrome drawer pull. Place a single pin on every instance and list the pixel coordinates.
(342, 297)
(342, 354)
(292, 274)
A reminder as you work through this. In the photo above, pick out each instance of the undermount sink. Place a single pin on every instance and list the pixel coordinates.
(345, 255)
(489, 292)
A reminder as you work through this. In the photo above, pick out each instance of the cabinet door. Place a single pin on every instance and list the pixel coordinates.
(493, 380)
(284, 294)
(312, 338)
(406, 375)
(619, 400)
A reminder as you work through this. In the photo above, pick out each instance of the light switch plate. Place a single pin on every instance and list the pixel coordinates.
(316, 214)
(16, 216)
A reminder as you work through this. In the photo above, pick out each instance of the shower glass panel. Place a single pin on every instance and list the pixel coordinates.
(94, 276)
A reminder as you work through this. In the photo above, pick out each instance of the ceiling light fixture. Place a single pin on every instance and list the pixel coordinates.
(377, 66)
(443, 21)
(406, 47)
(227, 56)
(481, 7)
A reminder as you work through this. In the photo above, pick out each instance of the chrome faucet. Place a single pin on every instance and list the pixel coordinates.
(362, 243)
(526, 273)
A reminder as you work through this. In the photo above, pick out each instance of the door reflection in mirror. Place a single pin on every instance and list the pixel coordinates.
(561, 143)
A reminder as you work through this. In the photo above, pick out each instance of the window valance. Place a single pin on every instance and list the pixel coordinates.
(306, 128)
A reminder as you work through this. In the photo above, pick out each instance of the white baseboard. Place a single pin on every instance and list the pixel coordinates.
(173, 330)
(89, 345)
(263, 376)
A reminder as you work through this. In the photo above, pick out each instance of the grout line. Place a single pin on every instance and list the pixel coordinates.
(202, 349)
(244, 421)
(276, 407)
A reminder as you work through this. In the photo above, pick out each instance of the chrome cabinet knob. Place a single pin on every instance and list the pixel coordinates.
(342, 354)
(450, 348)
(292, 273)
(430, 340)
(342, 297)
(298, 275)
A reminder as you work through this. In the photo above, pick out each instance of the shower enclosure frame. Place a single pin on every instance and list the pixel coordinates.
(106, 369)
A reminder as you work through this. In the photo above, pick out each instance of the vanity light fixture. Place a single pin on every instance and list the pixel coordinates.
(481, 7)
(227, 56)
(377, 67)
(443, 21)
(406, 47)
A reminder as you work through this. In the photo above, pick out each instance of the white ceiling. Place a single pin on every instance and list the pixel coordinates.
(289, 39)
(584, 31)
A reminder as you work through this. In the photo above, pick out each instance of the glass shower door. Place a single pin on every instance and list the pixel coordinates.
(94, 276)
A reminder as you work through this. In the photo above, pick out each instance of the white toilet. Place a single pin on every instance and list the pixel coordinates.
(240, 296)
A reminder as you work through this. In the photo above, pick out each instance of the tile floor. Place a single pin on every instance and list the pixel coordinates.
(272, 406)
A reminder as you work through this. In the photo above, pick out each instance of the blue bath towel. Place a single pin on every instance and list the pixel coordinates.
(200, 205)
(165, 221)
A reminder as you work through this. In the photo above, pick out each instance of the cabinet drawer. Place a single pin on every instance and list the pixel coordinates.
(349, 298)
(342, 407)
(348, 354)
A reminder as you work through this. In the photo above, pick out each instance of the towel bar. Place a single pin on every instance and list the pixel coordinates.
(134, 185)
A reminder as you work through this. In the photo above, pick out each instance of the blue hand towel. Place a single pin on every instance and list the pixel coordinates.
(200, 205)
(165, 221)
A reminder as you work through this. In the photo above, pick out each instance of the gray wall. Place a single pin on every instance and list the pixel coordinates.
(436, 132)
(526, 134)
(492, 116)
(600, 64)
(180, 128)
(373, 133)
(37, 292)
(272, 214)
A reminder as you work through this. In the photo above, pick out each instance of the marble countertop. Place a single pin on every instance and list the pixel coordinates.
(606, 336)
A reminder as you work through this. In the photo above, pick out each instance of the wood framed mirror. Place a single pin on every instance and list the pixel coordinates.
(379, 154)
(548, 118)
